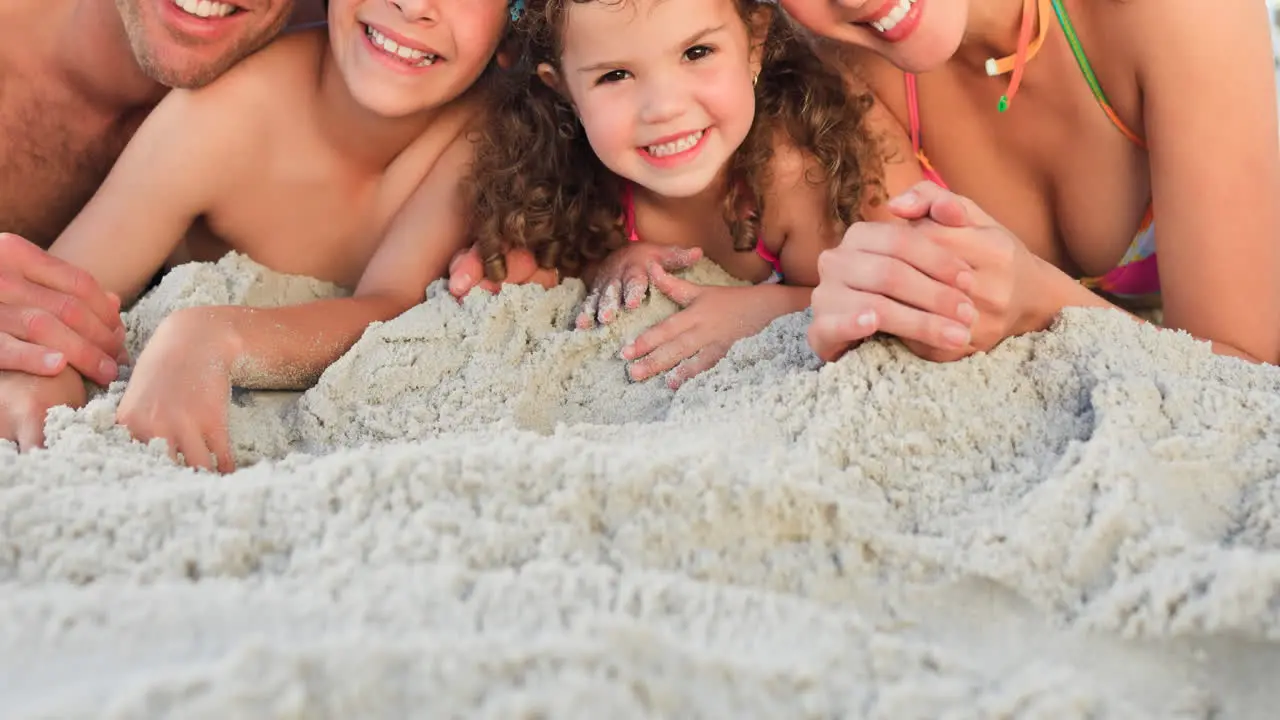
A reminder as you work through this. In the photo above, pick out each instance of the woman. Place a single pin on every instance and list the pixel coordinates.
(1076, 138)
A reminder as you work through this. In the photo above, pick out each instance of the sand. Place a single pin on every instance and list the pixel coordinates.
(473, 513)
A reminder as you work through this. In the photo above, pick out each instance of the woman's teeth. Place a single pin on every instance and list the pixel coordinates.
(205, 8)
(890, 21)
(676, 146)
(417, 58)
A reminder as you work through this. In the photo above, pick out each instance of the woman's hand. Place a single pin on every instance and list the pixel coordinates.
(950, 282)
(622, 280)
(701, 334)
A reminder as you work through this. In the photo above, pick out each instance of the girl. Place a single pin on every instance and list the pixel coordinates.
(299, 157)
(659, 131)
(1077, 138)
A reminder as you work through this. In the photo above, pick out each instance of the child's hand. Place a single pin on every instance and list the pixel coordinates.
(179, 391)
(466, 272)
(25, 399)
(623, 279)
(714, 318)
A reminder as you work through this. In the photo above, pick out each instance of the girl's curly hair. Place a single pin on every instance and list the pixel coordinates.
(537, 183)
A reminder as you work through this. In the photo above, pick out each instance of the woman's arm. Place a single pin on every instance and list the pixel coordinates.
(1209, 103)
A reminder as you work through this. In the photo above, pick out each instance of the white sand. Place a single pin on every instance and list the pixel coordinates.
(1085, 523)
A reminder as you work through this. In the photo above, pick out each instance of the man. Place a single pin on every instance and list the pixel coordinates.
(77, 78)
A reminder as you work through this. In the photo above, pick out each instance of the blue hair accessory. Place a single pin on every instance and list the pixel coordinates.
(517, 9)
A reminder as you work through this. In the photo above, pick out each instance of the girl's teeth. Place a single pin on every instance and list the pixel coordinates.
(415, 57)
(677, 146)
(205, 8)
(890, 21)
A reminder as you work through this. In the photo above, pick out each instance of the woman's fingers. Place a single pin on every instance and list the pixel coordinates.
(901, 281)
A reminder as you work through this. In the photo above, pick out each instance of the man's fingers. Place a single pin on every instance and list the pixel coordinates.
(40, 328)
(19, 256)
(17, 293)
(31, 359)
(682, 292)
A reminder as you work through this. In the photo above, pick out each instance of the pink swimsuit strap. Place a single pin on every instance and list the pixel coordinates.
(629, 214)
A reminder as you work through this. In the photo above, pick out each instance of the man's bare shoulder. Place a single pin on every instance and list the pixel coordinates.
(282, 70)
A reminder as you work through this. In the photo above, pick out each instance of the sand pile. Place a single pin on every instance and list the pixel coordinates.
(1085, 523)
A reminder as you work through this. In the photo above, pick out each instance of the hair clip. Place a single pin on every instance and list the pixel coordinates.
(517, 9)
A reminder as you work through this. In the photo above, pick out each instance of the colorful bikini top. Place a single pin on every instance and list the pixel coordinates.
(1137, 275)
(629, 211)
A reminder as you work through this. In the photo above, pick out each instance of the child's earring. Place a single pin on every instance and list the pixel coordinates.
(517, 9)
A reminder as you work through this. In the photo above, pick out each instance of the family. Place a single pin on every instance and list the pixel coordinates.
(949, 172)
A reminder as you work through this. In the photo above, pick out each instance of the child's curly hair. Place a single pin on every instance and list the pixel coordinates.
(537, 183)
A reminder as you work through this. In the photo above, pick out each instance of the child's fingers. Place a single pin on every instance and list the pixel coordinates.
(664, 356)
(635, 284)
(219, 443)
(682, 292)
(679, 258)
(704, 360)
(195, 451)
(30, 433)
(464, 270)
(610, 299)
(587, 315)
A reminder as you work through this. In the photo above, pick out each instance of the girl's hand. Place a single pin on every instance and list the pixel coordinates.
(623, 279)
(26, 399)
(951, 282)
(713, 319)
(466, 272)
(179, 391)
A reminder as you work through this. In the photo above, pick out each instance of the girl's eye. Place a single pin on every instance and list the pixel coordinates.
(697, 52)
(612, 76)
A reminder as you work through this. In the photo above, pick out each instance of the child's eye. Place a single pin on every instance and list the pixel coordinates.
(612, 76)
(697, 52)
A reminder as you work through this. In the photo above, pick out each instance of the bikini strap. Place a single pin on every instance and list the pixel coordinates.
(629, 212)
(913, 110)
(1090, 77)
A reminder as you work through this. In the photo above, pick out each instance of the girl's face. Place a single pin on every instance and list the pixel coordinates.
(401, 57)
(916, 35)
(663, 88)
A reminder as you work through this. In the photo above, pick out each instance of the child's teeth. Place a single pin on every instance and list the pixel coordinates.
(391, 47)
(676, 146)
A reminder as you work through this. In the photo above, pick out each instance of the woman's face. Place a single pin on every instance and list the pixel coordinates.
(916, 35)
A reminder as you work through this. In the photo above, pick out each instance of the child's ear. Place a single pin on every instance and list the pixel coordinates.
(758, 28)
(551, 78)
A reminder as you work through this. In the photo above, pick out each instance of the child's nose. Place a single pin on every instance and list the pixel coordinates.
(417, 9)
(662, 101)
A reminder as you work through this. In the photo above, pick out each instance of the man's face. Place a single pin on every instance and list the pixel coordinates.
(189, 43)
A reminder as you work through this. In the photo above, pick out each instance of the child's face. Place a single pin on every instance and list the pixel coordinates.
(915, 35)
(188, 44)
(663, 87)
(401, 57)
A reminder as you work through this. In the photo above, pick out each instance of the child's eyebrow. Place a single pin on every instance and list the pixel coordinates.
(692, 39)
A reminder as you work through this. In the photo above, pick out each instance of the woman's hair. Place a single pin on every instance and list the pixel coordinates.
(538, 185)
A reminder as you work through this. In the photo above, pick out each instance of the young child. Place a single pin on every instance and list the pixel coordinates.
(657, 132)
(300, 158)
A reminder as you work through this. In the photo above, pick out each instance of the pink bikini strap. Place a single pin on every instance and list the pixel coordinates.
(629, 212)
(913, 111)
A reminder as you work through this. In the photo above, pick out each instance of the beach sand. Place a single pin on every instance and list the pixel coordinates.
(1083, 523)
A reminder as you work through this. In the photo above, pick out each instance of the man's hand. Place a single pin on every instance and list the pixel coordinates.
(53, 314)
